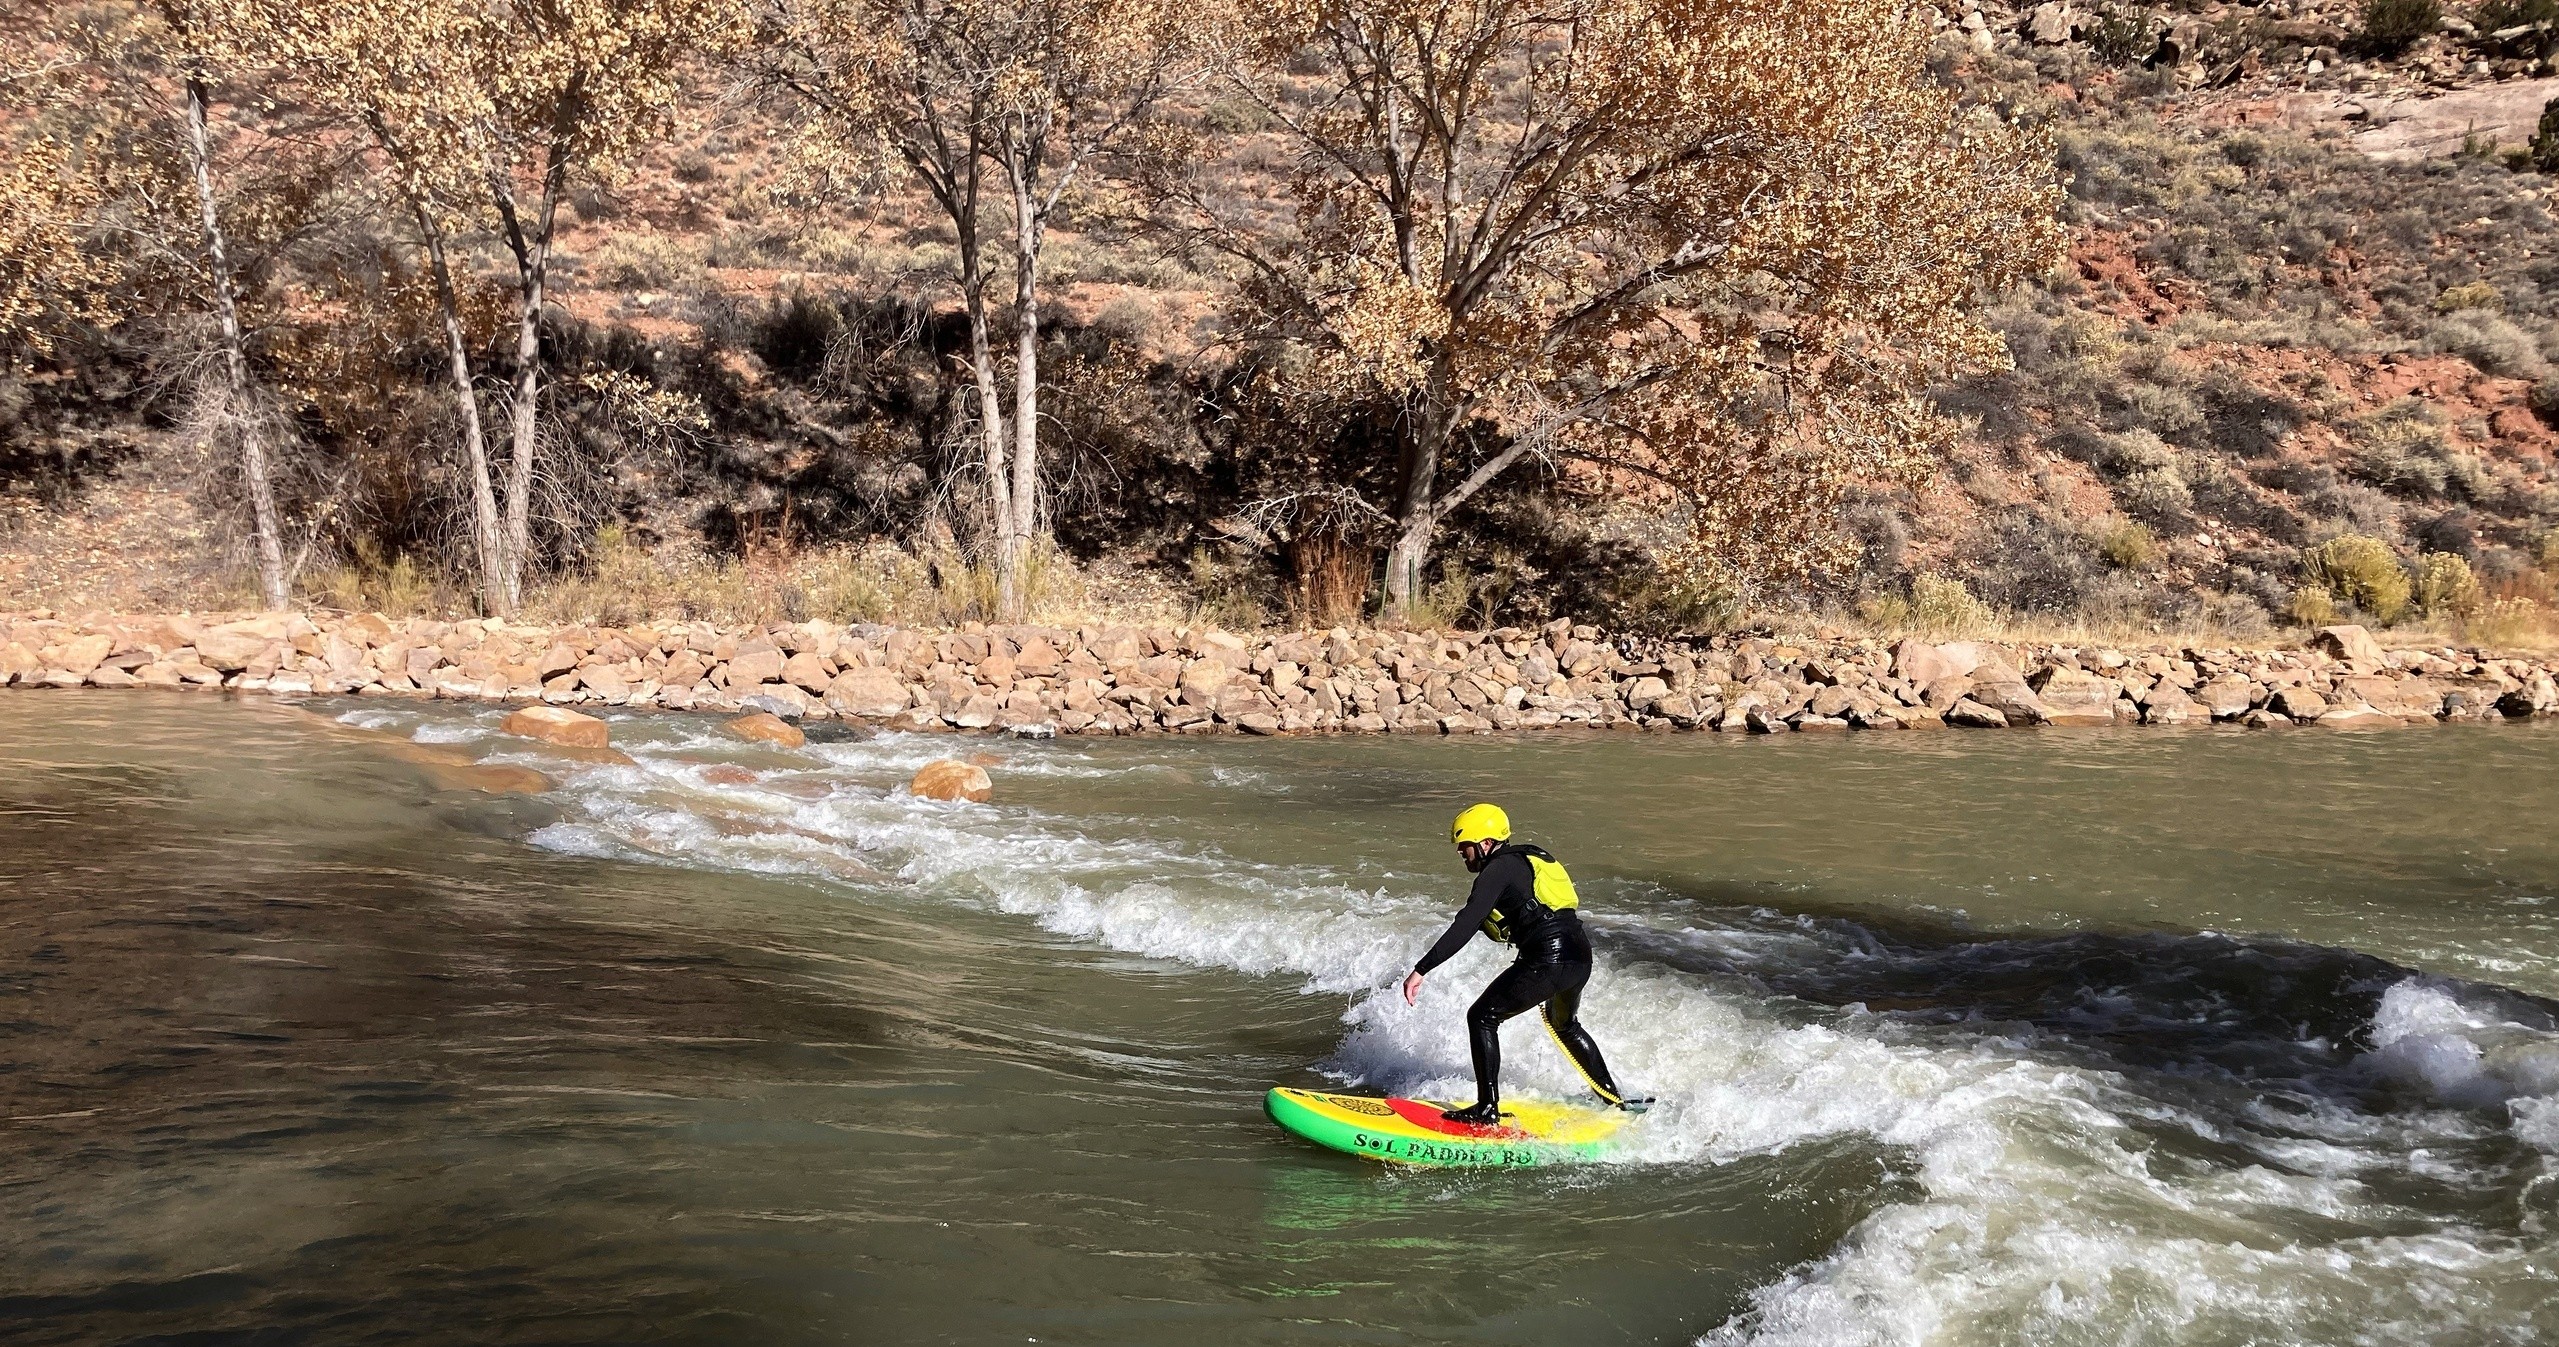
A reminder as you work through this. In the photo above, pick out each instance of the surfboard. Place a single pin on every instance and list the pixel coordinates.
(1410, 1131)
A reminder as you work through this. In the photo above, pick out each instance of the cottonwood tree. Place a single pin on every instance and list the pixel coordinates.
(1073, 79)
(153, 68)
(1036, 90)
(900, 82)
(388, 68)
(1723, 246)
(573, 88)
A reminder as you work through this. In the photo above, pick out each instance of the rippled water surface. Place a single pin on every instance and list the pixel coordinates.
(2059, 1037)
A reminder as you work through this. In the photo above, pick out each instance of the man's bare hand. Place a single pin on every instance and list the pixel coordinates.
(1412, 988)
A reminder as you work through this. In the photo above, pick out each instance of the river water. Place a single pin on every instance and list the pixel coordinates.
(2095, 1036)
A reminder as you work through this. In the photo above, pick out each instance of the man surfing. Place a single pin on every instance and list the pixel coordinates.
(1521, 897)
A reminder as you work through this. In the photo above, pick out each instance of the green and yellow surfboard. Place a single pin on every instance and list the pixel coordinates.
(1412, 1132)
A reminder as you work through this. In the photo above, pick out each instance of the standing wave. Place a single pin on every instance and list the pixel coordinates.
(2119, 1140)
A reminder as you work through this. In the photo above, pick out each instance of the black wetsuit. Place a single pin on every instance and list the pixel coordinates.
(1553, 963)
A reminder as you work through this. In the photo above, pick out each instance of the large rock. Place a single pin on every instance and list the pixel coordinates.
(1202, 679)
(767, 728)
(867, 692)
(2169, 705)
(2298, 703)
(1972, 715)
(2074, 697)
(951, 781)
(1919, 664)
(752, 666)
(2013, 700)
(2349, 643)
(810, 671)
(2227, 697)
(555, 725)
(230, 648)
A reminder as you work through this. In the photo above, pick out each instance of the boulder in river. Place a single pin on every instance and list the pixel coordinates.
(767, 728)
(554, 725)
(952, 781)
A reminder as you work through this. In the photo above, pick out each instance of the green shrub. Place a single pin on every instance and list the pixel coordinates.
(2446, 588)
(2393, 26)
(2127, 544)
(2312, 606)
(2545, 143)
(2475, 295)
(2361, 570)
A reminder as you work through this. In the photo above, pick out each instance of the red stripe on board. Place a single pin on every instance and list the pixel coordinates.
(1426, 1117)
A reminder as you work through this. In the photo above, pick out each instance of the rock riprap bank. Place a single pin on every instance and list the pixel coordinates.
(1125, 680)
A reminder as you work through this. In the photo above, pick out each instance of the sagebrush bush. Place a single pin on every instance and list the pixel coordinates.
(2393, 26)
(2312, 606)
(2362, 571)
(2445, 587)
(1940, 606)
(2488, 341)
(2127, 544)
(2473, 295)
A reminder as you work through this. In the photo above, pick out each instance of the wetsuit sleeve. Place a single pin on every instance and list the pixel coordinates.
(1489, 882)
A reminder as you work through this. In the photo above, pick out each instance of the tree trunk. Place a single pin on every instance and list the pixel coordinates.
(1026, 377)
(243, 415)
(999, 492)
(1416, 512)
(533, 271)
(495, 591)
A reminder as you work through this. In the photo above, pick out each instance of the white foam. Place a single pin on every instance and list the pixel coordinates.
(2050, 1209)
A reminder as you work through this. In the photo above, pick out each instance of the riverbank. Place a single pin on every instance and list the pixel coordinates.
(1125, 680)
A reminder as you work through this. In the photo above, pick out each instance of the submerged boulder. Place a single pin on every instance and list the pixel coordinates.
(554, 725)
(767, 728)
(952, 781)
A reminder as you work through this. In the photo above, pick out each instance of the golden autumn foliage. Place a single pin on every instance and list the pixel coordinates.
(949, 91)
(1719, 245)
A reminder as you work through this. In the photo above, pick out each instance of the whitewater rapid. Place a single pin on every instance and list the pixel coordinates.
(2394, 1183)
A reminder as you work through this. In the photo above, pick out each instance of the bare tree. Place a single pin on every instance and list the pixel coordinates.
(1074, 79)
(384, 66)
(573, 86)
(1721, 246)
(906, 77)
(1036, 88)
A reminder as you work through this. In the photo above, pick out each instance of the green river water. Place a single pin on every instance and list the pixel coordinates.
(2092, 1036)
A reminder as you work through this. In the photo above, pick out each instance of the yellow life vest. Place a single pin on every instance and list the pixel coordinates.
(1552, 889)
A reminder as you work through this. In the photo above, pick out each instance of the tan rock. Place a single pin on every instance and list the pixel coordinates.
(751, 666)
(18, 662)
(230, 649)
(2074, 697)
(765, 727)
(1203, 678)
(1972, 715)
(867, 692)
(1038, 659)
(809, 671)
(2350, 643)
(2299, 703)
(553, 725)
(952, 781)
(84, 653)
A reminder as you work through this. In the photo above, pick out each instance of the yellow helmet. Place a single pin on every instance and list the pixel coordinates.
(1481, 823)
